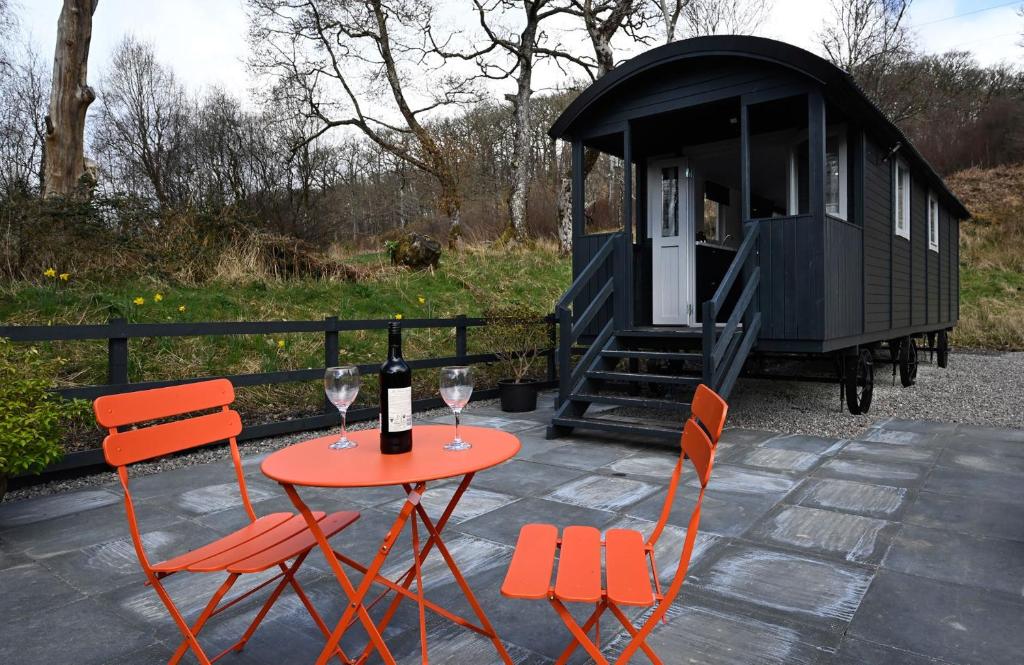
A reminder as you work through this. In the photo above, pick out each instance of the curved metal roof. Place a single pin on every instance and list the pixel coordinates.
(836, 83)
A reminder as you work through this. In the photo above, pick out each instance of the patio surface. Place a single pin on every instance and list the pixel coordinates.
(904, 546)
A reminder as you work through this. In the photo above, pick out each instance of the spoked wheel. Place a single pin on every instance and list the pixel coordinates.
(942, 349)
(860, 382)
(908, 362)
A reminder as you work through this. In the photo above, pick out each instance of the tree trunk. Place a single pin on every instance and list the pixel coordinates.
(522, 111)
(69, 99)
(565, 199)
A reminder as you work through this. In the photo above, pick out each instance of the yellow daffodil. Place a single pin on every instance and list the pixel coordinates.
(158, 297)
(398, 317)
(65, 276)
(280, 343)
(139, 301)
(421, 299)
(50, 272)
(181, 308)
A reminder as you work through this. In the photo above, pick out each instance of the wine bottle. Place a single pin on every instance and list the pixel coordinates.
(395, 397)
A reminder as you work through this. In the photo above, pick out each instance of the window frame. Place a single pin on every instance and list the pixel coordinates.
(838, 133)
(718, 219)
(933, 232)
(901, 174)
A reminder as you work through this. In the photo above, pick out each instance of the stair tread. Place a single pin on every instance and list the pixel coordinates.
(653, 355)
(640, 377)
(625, 400)
(667, 433)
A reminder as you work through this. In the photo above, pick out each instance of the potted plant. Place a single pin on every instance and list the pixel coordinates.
(33, 417)
(516, 334)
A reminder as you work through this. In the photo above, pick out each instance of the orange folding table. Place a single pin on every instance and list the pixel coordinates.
(313, 464)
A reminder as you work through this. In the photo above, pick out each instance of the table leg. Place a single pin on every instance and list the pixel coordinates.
(419, 556)
(355, 608)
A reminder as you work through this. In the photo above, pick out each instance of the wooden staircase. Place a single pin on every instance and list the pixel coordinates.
(653, 371)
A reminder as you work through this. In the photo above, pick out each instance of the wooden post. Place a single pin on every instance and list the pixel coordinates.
(461, 337)
(330, 353)
(744, 162)
(578, 185)
(553, 340)
(117, 353)
(626, 297)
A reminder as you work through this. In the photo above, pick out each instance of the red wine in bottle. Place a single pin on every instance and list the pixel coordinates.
(395, 397)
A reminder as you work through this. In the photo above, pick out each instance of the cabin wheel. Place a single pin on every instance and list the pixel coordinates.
(942, 349)
(908, 362)
(860, 382)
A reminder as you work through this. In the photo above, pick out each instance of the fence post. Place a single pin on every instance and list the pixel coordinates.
(117, 352)
(461, 340)
(330, 352)
(553, 339)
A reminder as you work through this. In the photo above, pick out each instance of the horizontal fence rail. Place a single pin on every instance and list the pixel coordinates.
(118, 332)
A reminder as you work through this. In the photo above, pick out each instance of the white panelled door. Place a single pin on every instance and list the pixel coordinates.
(670, 228)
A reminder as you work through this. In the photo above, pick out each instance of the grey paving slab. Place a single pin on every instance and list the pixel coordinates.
(972, 445)
(471, 554)
(956, 623)
(980, 517)
(827, 533)
(603, 492)
(584, 456)
(982, 460)
(29, 511)
(726, 516)
(502, 525)
(32, 585)
(848, 496)
(919, 426)
(532, 445)
(874, 450)
(805, 443)
(735, 480)
(972, 483)
(104, 566)
(699, 634)
(813, 589)
(84, 628)
(896, 474)
(448, 644)
(853, 651)
(508, 423)
(745, 436)
(474, 502)
(524, 478)
(902, 437)
(214, 498)
(658, 465)
(669, 547)
(993, 433)
(779, 460)
(989, 563)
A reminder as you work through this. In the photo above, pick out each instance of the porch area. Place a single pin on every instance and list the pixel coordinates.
(900, 544)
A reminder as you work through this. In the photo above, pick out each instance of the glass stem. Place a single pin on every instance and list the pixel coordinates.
(344, 418)
(457, 412)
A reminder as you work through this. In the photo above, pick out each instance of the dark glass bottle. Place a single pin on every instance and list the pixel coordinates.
(395, 397)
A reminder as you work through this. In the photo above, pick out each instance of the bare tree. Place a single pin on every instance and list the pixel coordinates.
(364, 65)
(142, 125)
(8, 25)
(871, 40)
(724, 17)
(24, 87)
(670, 11)
(69, 99)
(602, 20)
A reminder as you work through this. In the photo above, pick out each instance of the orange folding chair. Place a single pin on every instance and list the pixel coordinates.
(630, 569)
(141, 427)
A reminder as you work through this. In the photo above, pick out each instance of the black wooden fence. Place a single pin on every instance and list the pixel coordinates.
(119, 332)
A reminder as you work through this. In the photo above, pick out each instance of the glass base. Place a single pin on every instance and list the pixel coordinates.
(457, 444)
(343, 443)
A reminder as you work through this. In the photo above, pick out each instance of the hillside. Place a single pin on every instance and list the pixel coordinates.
(991, 258)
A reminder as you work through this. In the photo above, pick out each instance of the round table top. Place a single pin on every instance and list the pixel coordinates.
(312, 463)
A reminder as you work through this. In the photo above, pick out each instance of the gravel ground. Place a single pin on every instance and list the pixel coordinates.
(205, 455)
(978, 388)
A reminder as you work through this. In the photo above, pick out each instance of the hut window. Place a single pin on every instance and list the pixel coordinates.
(933, 223)
(835, 176)
(901, 204)
(670, 202)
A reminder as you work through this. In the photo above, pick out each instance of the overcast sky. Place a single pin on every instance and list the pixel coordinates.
(205, 40)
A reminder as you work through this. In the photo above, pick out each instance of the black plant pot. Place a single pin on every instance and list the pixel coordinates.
(517, 397)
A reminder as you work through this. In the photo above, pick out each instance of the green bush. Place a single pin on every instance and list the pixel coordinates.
(32, 417)
(517, 334)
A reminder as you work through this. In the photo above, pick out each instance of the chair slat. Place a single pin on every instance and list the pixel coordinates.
(529, 574)
(698, 448)
(629, 580)
(300, 542)
(295, 525)
(579, 565)
(710, 409)
(145, 405)
(245, 534)
(137, 445)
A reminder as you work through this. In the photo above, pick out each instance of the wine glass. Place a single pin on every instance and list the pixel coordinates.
(456, 389)
(341, 385)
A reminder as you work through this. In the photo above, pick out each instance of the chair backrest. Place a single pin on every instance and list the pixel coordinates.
(710, 410)
(147, 441)
(698, 447)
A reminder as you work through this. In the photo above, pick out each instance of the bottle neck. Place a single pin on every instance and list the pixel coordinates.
(394, 344)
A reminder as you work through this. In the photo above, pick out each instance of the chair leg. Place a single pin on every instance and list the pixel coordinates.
(633, 632)
(578, 632)
(593, 620)
(191, 634)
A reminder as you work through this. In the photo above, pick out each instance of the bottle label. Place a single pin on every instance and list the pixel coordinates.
(399, 409)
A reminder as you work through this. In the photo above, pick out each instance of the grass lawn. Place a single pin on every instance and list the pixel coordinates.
(991, 309)
(466, 282)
